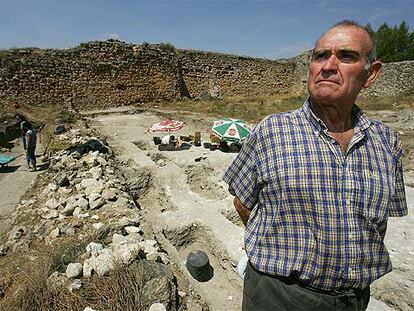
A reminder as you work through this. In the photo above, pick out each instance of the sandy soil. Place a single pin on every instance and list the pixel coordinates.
(189, 207)
(15, 181)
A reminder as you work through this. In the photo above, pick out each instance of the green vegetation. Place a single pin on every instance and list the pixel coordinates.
(250, 109)
(44, 119)
(254, 109)
(394, 44)
(28, 281)
(167, 47)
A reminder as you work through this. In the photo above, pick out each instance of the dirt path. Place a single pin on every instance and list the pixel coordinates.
(189, 207)
(15, 181)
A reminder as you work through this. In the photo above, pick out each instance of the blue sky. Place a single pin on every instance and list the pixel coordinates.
(258, 28)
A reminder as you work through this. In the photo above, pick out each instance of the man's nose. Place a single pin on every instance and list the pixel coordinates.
(331, 64)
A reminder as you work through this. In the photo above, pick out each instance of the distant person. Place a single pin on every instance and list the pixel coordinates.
(30, 146)
(20, 121)
(316, 186)
(168, 143)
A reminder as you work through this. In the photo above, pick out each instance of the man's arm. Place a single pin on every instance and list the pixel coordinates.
(243, 211)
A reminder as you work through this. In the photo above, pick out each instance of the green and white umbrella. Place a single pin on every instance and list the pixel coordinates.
(231, 130)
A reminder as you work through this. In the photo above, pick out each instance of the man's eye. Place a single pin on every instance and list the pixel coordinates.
(320, 56)
(348, 57)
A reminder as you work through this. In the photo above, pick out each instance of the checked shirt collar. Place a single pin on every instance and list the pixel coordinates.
(361, 123)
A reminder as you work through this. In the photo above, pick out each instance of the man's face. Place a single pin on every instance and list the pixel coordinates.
(337, 69)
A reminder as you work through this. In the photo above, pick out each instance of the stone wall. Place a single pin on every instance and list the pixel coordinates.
(112, 73)
(395, 79)
(94, 74)
(236, 75)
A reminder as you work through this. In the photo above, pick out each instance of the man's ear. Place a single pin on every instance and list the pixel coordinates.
(373, 73)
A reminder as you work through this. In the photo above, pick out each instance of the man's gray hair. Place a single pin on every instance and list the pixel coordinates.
(372, 54)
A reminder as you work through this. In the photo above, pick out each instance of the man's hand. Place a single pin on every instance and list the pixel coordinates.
(243, 211)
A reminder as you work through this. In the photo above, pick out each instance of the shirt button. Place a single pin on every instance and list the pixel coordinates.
(348, 202)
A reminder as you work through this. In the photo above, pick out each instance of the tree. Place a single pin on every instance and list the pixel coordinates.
(394, 44)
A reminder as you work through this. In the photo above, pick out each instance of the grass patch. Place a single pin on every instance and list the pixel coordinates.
(44, 119)
(24, 283)
(250, 109)
(400, 102)
(254, 109)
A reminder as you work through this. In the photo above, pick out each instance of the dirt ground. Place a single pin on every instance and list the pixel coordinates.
(15, 181)
(190, 209)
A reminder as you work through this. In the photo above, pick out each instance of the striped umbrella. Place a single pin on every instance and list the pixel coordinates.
(231, 130)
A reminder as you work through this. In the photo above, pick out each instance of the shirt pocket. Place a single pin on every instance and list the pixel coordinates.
(374, 190)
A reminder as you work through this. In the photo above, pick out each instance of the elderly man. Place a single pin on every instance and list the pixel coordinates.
(315, 187)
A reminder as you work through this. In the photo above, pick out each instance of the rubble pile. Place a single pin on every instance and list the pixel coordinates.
(84, 196)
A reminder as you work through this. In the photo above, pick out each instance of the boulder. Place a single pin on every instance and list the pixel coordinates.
(101, 264)
(74, 270)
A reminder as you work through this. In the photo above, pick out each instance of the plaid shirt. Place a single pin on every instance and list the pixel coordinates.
(317, 213)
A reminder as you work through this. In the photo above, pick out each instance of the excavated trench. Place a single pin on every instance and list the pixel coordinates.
(184, 200)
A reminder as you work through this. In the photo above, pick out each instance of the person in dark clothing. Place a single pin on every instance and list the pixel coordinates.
(30, 145)
(20, 121)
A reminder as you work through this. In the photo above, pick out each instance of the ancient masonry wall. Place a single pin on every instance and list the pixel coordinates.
(113, 73)
(99, 74)
(94, 74)
(236, 75)
(395, 79)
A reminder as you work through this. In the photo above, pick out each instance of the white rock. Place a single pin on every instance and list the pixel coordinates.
(96, 201)
(95, 217)
(150, 248)
(97, 187)
(126, 253)
(64, 191)
(110, 194)
(101, 264)
(83, 216)
(55, 233)
(132, 229)
(97, 225)
(77, 212)
(96, 172)
(74, 270)
(82, 203)
(76, 284)
(157, 307)
(89, 309)
(52, 204)
(68, 210)
(119, 239)
(134, 238)
(87, 182)
(52, 214)
(93, 248)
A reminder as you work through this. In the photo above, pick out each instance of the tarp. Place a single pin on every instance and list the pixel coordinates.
(5, 159)
(166, 126)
